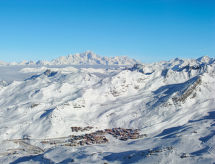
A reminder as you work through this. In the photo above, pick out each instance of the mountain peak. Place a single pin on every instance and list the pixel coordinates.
(87, 54)
(204, 59)
(91, 58)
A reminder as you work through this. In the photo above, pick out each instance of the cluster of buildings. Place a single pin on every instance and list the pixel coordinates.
(80, 129)
(97, 137)
(87, 139)
(124, 134)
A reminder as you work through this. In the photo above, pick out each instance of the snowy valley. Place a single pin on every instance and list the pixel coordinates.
(85, 108)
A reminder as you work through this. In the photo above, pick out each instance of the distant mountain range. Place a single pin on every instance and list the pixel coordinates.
(86, 58)
(142, 113)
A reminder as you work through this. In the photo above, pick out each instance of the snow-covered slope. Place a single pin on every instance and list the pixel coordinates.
(171, 103)
(86, 58)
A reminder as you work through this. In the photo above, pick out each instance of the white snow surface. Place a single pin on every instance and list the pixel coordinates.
(172, 102)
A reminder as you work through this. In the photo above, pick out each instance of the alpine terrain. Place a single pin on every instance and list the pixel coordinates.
(84, 108)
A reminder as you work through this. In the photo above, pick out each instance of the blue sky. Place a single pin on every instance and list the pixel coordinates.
(149, 30)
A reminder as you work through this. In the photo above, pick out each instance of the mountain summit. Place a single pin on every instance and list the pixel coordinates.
(85, 58)
(90, 58)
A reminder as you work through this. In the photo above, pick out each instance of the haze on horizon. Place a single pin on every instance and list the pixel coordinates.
(145, 30)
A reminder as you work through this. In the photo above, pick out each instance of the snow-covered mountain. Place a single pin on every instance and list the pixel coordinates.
(53, 114)
(90, 58)
(86, 58)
